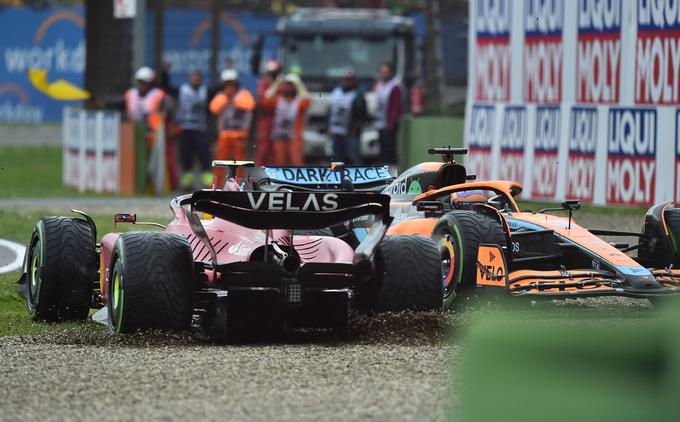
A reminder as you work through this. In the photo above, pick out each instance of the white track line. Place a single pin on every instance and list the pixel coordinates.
(19, 250)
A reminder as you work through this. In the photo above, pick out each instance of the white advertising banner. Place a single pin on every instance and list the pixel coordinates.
(91, 150)
(576, 98)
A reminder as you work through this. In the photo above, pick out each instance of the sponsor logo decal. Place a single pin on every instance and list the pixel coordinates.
(631, 160)
(490, 266)
(492, 50)
(286, 201)
(582, 149)
(546, 143)
(414, 188)
(513, 135)
(482, 125)
(657, 52)
(598, 51)
(239, 249)
(543, 21)
(322, 175)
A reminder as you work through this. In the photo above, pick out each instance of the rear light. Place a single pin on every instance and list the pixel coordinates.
(294, 293)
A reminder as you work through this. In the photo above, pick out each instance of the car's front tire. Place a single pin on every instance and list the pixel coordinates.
(458, 235)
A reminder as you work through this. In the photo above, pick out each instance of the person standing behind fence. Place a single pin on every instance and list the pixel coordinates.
(192, 116)
(346, 117)
(151, 106)
(388, 113)
(265, 117)
(233, 107)
(289, 99)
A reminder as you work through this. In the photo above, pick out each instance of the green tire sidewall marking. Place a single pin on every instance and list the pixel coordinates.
(460, 252)
(118, 322)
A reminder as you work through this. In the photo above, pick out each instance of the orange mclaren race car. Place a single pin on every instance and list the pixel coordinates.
(485, 240)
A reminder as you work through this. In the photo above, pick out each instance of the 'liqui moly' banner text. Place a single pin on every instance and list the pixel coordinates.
(598, 51)
(582, 149)
(592, 108)
(513, 141)
(492, 46)
(657, 58)
(631, 160)
(546, 144)
(543, 21)
(482, 133)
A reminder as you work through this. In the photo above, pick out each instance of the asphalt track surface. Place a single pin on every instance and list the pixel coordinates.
(393, 367)
(11, 256)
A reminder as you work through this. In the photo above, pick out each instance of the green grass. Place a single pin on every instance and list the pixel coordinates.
(14, 319)
(33, 172)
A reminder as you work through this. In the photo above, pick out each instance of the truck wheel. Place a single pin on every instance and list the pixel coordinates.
(62, 269)
(409, 275)
(458, 235)
(151, 282)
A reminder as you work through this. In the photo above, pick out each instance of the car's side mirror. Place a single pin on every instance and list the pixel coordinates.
(571, 204)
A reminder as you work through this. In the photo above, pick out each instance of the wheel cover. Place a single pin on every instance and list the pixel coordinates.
(34, 284)
(116, 301)
(448, 262)
(116, 291)
(34, 273)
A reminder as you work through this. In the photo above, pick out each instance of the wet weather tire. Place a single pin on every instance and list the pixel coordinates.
(61, 269)
(409, 275)
(151, 282)
(458, 235)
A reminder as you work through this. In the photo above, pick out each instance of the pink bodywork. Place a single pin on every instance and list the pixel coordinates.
(234, 243)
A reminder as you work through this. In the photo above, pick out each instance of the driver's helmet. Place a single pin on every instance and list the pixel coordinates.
(467, 197)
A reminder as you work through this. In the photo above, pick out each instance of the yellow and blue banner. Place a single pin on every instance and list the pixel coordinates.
(43, 63)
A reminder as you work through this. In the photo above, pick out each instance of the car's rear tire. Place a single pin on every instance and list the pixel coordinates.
(408, 276)
(61, 270)
(151, 282)
(458, 235)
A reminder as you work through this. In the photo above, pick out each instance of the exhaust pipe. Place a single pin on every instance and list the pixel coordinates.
(289, 263)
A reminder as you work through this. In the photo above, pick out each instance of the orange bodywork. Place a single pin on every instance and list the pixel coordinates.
(578, 235)
(537, 281)
(422, 226)
(501, 186)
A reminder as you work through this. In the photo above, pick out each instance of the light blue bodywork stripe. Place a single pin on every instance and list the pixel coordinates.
(360, 234)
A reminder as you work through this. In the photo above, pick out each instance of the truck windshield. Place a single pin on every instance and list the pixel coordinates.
(331, 56)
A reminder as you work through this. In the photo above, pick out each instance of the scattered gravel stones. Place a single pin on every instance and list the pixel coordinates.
(395, 374)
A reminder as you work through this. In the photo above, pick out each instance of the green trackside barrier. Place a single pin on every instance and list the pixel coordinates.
(417, 134)
(547, 367)
(140, 159)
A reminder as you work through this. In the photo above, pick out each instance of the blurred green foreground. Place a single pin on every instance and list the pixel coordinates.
(569, 369)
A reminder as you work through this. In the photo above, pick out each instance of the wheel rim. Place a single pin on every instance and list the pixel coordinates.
(116, 291)
(116, 300)
(448, 263)
(34, 271)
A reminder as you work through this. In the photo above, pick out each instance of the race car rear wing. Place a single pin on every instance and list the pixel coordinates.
(315, 178)
(289, 210)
